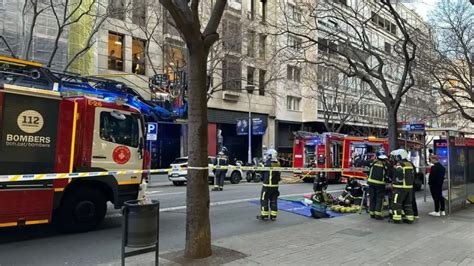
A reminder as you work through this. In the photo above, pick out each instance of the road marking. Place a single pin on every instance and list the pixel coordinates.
(167, 194)
(218, 203)
(152, 192)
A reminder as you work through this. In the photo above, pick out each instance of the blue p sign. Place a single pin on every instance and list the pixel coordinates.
(152, 131)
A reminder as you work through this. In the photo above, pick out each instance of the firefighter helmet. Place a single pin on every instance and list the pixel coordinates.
(271, 154)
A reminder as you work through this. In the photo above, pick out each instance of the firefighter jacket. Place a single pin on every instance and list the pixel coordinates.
(403, 175)
(271, 178)
(378, 173)
(221, 161)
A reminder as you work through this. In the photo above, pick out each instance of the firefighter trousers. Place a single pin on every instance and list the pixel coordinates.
(220, 176)
(268, 201)
(402, 204)
(377, 195)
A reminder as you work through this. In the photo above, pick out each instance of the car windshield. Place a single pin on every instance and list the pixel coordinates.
(180, 161)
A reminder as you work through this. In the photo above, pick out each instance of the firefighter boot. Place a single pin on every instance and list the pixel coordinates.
(262, 217)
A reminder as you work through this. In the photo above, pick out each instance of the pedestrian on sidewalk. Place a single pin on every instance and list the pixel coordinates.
(221, 161)
(377, 179)
(436, 180)
(269, 194)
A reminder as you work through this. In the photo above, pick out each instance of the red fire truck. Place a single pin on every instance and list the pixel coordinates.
(333, 150)
(42, 132)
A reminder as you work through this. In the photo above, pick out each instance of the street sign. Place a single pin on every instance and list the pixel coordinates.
(417, 127)
(152, 131)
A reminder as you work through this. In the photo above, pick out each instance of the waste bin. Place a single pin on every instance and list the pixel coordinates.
(141, 223)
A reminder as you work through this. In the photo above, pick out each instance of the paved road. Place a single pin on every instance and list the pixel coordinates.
(231, 215)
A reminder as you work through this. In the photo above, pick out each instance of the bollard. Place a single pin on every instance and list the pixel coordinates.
(140, 228)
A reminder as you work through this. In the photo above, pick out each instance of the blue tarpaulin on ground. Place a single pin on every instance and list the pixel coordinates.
(298, 208)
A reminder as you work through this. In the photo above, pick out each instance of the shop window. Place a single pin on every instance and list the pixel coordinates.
(116, 51)
(119, 128)
(138, 56)
(139, 12)
(174, 60)
(117, 9)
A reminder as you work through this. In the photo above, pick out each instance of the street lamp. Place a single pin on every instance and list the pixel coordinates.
(249, 89)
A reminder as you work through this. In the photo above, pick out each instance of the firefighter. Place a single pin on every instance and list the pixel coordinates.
(377, 179)
(352, 193)
(270, 193)
(221, 160)
(403, 177)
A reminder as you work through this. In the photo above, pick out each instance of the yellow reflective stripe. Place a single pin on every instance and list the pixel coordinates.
(263, 195)
(129, 182)
(266, 185)
(73, 138)
(395, 198)
(270, 179)
(274, 213)
(37, 222)
(39, 176)
(59, 189)
(8, 224)
(16, 177)
(402, 186)
(376, 181)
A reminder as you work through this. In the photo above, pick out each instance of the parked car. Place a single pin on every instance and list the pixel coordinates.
(179, 171)
(234, 175)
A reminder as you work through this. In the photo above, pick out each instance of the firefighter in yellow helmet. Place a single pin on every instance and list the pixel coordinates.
(403, 177)
(270, 193)
(376, 180)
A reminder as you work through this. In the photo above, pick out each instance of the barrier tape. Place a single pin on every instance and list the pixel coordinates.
(53, 176)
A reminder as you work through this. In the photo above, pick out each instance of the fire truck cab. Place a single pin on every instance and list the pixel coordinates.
(42, 132)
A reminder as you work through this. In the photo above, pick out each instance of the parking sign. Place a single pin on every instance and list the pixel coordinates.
(152, 131)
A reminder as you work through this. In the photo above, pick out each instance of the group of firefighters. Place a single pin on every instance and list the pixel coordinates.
(393, 176)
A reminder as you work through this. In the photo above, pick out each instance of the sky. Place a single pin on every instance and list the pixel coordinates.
(423, 7)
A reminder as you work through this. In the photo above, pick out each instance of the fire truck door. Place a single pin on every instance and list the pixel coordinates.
(117, 143)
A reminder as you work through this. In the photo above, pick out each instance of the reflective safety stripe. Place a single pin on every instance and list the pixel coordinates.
(8, 224)
(267, 185)
(265, 213)
(374, 181)
(395, 198)
(274, 213)
(263, 195)
(396, 217)
(45, 221)
(409, 217)
(371, 213)
(403, 186)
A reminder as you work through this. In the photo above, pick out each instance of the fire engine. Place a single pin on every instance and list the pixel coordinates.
(334, 150)
(44, 132)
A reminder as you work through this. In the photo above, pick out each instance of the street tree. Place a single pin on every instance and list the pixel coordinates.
(199, 40)
(452, 63)
(348, 40)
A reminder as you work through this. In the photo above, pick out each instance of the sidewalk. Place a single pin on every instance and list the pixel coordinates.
(351, 240)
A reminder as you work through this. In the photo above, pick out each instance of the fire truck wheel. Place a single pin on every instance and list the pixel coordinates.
(82, 209)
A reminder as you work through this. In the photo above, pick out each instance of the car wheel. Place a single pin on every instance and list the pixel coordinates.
(249, 176)
(82, 209)
(257, 177)
(235, 177)
(178, 183)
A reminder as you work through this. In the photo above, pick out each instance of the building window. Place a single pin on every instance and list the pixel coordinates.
(342, 2)
(295, 43)
(251, 9)
(295, 13)
(138, 56)
(232, 74)
(387, 48)
(293, 103)
(174, 59)
(251, 44)
(261, 82)
(250, 75)
(116, 44)
(293, 73)
(263, 10)
(384, 23)
(263, 44)
(139, 12)
(117, 9)
(232, 39)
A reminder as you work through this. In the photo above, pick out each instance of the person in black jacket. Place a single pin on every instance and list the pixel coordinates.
(269, 194)
(435, 181)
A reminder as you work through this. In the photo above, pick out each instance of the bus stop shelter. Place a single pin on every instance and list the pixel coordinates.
(455, 149)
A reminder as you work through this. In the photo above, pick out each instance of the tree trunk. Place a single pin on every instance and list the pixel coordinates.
(198, 229)
(392, 128)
